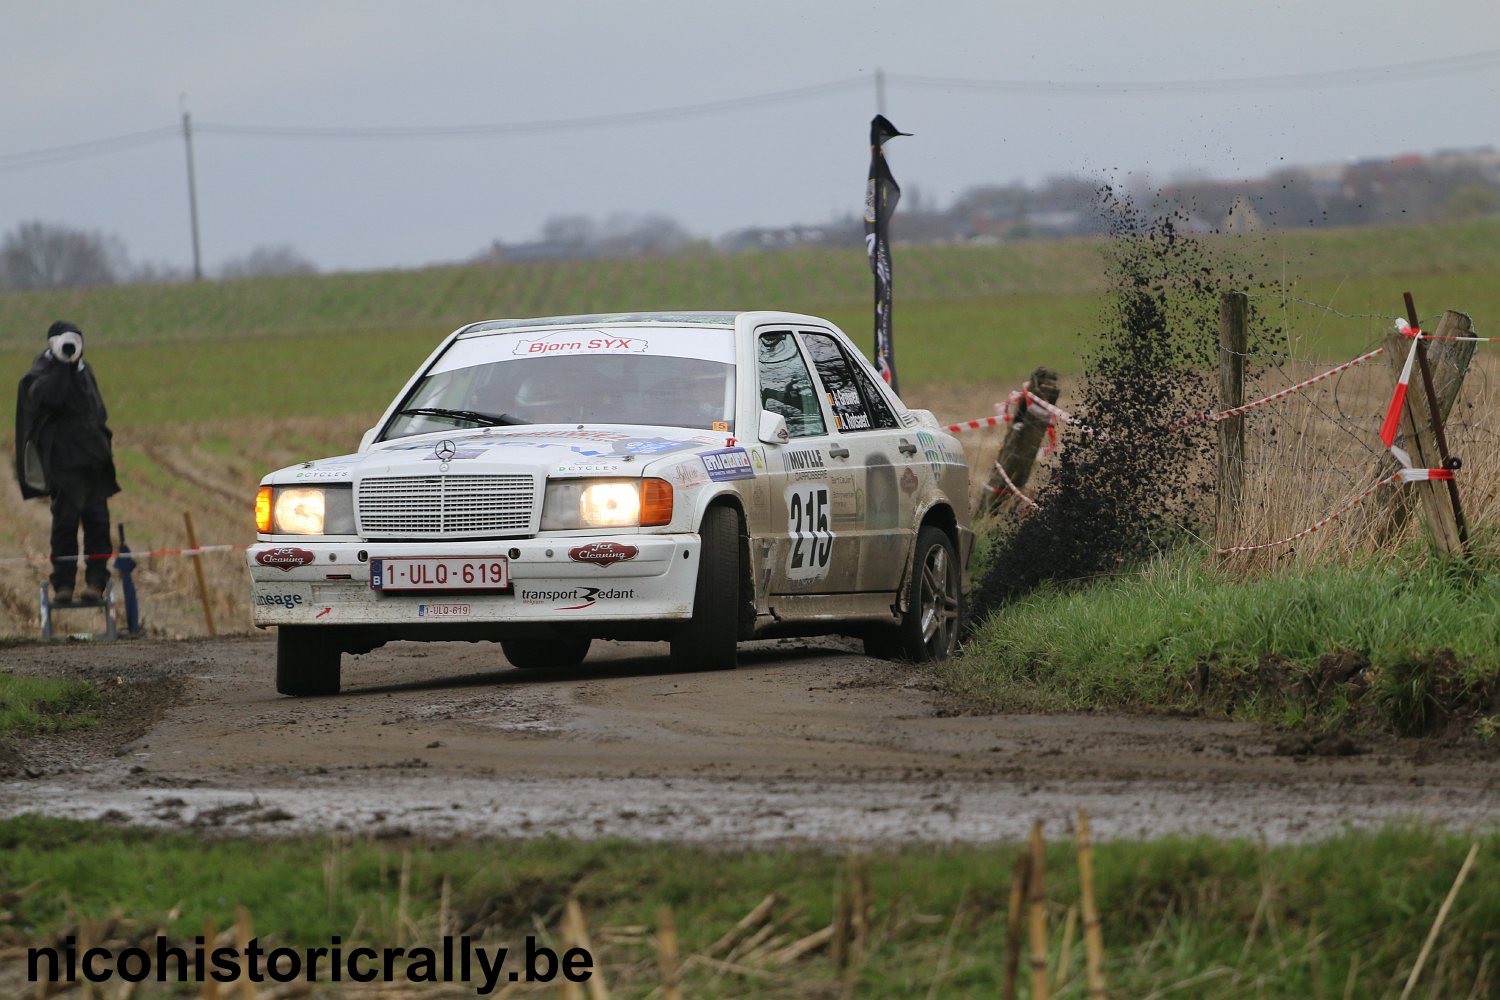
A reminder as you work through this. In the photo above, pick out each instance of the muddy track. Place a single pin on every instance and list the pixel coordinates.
(807, 741)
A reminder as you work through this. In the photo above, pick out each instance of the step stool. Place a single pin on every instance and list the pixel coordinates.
(107, 603)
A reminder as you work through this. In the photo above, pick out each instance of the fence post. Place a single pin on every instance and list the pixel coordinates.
(1450, 361)
(1022, 441)
(1234, 341)
(192, 537)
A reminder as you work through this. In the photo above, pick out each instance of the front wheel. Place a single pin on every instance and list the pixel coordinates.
(709, 641)
(307, 660)
(539, 654)
(929, 627)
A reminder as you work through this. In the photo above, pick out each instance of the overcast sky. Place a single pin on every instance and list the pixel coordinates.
(73, 72)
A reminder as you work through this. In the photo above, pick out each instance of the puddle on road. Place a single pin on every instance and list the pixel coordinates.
(748, 812)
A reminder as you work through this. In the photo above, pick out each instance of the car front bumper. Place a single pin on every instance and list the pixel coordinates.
(328, 583)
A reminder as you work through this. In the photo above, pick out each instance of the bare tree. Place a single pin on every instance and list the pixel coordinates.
(47, 255)
(273, 260)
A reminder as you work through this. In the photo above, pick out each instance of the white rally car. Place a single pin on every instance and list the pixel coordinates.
(698, 478)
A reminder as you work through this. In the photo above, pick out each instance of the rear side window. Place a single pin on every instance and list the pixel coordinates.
(855, 404)
(786, 386)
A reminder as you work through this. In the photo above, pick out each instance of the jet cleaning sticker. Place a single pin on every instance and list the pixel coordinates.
(727, 464)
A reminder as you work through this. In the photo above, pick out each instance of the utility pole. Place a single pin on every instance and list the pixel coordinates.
(187, 140)
(879, 91)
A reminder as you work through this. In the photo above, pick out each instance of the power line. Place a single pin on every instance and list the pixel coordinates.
(533, 126)
(1422, 69)
(81, 150)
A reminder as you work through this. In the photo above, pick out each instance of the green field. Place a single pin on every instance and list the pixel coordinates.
(343, 343)
(1188, 917)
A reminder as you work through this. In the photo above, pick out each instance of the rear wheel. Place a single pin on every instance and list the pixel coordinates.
(307, 660)
(929, 627)
(539, 654)
(710, 640)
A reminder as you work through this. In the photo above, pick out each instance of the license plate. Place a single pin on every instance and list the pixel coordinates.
(456, 573)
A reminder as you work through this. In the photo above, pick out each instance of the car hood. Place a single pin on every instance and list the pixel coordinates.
(550, 450)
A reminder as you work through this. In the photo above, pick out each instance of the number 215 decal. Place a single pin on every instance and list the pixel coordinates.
(808, 511)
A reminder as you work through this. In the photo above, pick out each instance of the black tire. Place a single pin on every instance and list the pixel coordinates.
(934, 605)
(710, 640)
(539, 654)
(307, 661)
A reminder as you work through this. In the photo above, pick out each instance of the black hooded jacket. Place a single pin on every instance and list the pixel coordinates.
(61, 428)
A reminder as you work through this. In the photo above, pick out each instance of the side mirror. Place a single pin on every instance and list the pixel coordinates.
(368, 439)
(772, 428)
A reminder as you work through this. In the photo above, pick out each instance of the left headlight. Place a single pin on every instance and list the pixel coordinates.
(304, 510)
(606, 503)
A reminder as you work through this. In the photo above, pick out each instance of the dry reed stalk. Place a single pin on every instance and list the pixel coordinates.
(210, 988)
(1064, 953)
(1018, 877)
(942, 965)
(803, 946)
(1093, 934)
(1437, 923)
(758, 913)
(445, 902)
(666, 954)
(244, 932)
(403, 888)
(1036, 908)
(576, 928)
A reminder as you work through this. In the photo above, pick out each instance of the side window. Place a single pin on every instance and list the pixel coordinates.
(855, 407)
(880, 411)
(786, 386)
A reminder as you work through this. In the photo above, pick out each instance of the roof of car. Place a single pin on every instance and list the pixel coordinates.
(721, 319)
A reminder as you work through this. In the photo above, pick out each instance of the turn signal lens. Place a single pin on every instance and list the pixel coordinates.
(656, 502)
(263, 510)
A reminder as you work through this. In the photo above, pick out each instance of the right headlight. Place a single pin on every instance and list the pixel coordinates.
(606, 503)
(304, 510)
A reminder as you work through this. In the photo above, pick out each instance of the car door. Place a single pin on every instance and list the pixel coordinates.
(872, 483)
(803, 548)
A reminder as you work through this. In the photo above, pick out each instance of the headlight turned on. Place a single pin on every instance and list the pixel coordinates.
(606, 503)
(306, 510)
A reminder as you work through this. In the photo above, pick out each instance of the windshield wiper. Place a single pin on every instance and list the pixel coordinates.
(474, 416)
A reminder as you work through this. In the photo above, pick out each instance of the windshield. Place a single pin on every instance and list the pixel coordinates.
(667, 377)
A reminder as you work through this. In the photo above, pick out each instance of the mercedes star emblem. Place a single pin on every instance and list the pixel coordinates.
(444, 450)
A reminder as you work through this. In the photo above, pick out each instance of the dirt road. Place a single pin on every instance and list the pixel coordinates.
(806, 741)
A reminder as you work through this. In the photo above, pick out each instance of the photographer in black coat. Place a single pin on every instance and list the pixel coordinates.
(63, 451)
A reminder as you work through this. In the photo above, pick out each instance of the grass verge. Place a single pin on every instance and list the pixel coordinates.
(1226, 918)
(1401, 643)
(44, 704)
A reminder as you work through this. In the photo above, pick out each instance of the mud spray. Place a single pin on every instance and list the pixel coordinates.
(1134, 487)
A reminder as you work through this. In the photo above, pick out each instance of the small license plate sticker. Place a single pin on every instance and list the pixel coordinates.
(442, 573)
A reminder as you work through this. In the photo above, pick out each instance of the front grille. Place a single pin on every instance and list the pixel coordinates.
(445, 506)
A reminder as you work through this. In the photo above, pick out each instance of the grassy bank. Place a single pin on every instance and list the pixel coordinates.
(1402, 642)
(1227, 918)
(44, 704)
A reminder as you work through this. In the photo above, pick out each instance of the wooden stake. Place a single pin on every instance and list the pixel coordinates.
(1234, 341)
(666, 954)
(192, 537)
(1438, 433)
(1437, 924)
(1093, 935)
(1018, 878)
(1036, 898)
(1023, 439)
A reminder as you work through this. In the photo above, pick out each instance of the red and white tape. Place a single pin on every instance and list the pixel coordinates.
(1009, 487)
(1388, 480)
(138, 556)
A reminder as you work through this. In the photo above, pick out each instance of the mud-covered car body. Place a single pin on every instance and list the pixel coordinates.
(774, 416)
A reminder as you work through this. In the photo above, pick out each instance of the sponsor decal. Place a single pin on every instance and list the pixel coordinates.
(720, 425)
(322, 474)
(931, 453)
(582, 597)
(603, 553)
(278, 600)
(285, 557)
(324, 613)
(848, 498)
(580, 342)
(442, 610)
(689, 475)
(908, 481)
(446, 451)
(807, 464)
(758, 459)
(728, 464)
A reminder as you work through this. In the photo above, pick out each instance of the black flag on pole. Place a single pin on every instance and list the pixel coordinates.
(881, 195)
